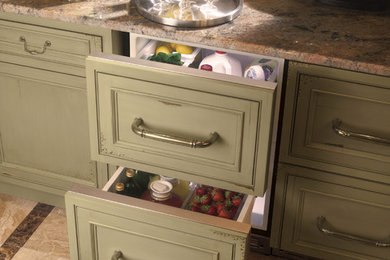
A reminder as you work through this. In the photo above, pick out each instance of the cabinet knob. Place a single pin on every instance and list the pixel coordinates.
(117, 255)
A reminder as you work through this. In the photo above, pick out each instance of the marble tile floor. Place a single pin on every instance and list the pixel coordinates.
(36, 231)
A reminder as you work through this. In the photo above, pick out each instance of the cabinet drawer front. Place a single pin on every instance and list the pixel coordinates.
(167, 105)
(100, 223)
(46, 48)
(342, 121)
(331, 221)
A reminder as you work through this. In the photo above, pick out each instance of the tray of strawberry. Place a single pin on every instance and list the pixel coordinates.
(215, 201)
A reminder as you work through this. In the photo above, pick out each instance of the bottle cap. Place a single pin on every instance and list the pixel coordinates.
(220, 52)
(161, 190)
(130, 173)
(119, 186)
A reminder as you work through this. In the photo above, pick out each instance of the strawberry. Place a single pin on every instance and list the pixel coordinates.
(205, 199)
(200, 191)
(228, 204)
(220, 207)
(225, 213)
(236, 201)
(195, 208)
(218, 196)
(229, 194)
(218, 189)
(212, 210)
(204, 208)
(195, 200)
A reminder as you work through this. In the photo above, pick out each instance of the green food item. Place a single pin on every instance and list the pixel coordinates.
(171, 58)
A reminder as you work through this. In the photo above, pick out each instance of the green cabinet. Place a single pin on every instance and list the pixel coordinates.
(44, 137)
(332, 188)
(199, 126)
(334, 217)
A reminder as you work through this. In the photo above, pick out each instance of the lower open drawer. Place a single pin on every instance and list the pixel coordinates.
(106, 225)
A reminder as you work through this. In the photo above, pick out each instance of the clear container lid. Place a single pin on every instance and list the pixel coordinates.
(173, 181)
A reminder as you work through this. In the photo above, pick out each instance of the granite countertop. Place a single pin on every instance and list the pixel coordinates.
(300, 30)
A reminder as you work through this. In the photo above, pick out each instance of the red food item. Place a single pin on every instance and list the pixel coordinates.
(228, 204)
(225, 213)
(212, 210)
(229, 194)
(220, 207)
(218, 196)
(200, 191)
(195, 200)
(195, 208)
(205, 199)
(236, 201)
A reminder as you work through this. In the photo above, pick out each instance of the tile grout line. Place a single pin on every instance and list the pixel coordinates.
(24, 230)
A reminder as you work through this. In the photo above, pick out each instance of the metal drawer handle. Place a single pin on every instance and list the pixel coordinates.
(117, 255)
(321, 220)
(336, 125)
(189, 142)
(34, 52)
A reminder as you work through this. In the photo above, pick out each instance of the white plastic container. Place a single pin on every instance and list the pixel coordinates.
(263, 69)
(222, 62)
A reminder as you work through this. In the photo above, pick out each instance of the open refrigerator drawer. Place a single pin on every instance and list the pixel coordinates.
(106, 225)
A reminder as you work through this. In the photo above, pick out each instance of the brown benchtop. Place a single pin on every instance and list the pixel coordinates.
(300, 30)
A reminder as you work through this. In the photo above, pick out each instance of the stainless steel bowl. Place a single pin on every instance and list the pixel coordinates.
(190, 13)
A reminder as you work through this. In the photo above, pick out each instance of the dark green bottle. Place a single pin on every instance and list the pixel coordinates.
(120, 188)
(142, 178)
(132, 187)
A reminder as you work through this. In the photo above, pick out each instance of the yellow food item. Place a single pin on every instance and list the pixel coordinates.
(173, 12)
(173, 45)
(164, 49)
(184, 49)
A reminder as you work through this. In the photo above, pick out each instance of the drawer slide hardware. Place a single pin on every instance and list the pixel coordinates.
(321, 220)
(31, 51)
(336, 124)
(189, 142)
(117, 255)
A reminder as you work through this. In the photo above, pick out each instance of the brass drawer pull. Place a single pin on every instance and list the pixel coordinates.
(34, 52)
(117, 255)
(336, 124)
(193, 143)
(321, 220)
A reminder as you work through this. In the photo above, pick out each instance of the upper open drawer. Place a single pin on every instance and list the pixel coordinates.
(181, 122)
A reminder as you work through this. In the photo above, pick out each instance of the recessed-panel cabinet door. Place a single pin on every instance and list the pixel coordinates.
(44, 129)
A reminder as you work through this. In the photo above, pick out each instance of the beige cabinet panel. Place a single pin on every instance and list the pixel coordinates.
(46, 48)
(172, 101)
(332, 221)
(337, 118)
(44, 129)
